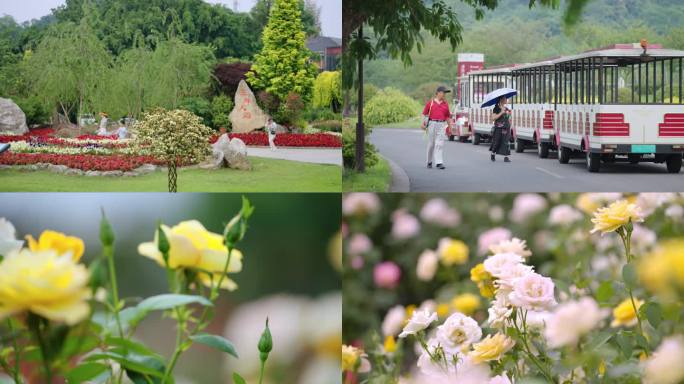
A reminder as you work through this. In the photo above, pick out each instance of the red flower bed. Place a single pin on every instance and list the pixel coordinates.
(82, 162)
(38, 132)
(288, 139)
(98, 137)
(64, 143)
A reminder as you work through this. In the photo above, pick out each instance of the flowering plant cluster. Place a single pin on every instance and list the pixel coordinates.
(83, 162)
(34, 133)
(289, 139)
(63, 321)
(450, 291)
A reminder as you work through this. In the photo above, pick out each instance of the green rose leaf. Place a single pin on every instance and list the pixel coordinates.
(605, 291)
(629, 275)
(216, 342)
(653, 313)
(85, 372)
(237, 379)
(169, 300)
(625, 344)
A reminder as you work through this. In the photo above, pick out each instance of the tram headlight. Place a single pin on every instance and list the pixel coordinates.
(608, 148)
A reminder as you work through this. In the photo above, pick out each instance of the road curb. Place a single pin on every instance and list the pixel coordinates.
(400, 180)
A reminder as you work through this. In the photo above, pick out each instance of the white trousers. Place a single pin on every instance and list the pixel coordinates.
(271, 141)
(436, 136)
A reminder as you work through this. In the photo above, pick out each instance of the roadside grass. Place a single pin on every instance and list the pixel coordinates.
(375, 179)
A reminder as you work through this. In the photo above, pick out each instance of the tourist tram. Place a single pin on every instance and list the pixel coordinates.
(620, 103)
(478, 85)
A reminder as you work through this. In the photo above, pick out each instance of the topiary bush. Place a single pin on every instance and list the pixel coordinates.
(390, 106)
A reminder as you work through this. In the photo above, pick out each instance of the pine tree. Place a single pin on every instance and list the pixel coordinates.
(283, 67)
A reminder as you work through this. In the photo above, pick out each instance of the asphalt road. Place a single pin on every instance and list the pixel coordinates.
(468, 169)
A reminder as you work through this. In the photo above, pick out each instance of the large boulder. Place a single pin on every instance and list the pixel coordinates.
(12, 118)
(246, 116)
(229, 153)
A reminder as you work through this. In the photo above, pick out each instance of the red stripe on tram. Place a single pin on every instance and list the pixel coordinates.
(611, 124)
(673, 125)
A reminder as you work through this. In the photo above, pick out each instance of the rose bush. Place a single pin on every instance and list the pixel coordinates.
(562, 288)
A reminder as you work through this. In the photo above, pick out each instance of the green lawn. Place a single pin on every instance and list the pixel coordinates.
(375, 179)
(268, 176)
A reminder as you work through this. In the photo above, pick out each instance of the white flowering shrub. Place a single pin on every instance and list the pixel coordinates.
(500, 289)
(177, 137)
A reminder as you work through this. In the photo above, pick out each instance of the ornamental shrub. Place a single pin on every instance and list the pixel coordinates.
(390, 106)
(327, 91)
(176, 137)
(220, 111)
(349, 150)
(198, 106)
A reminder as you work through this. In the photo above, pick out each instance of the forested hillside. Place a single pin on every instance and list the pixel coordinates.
(514, 33)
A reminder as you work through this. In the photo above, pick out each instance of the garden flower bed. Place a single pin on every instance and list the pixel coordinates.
(82, 162)
(323, 140)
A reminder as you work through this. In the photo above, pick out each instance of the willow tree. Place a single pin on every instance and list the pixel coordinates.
(283, 66)
(68, 66)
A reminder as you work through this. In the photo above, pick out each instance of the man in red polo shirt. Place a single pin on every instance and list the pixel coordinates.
(436, 119)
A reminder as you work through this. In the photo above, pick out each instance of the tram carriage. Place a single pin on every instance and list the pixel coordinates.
(479, 84)
(621, 103)
(460, 118)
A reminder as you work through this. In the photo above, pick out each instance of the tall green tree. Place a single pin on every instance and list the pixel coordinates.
(310, 15)
(283, 66)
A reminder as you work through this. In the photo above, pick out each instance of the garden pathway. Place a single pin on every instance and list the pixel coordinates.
(302, 155)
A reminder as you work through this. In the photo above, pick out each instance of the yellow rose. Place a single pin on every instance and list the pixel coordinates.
(586, 203)
(624, 313)
(45, 283)
(466, 303)
(491, 348)
(662, 270)
(59, 242)
(616, 215)
(479, 273)
(487, 289)
(452, 252)
(350, 357)
(192, 246)
(390, 344)
(442, 310)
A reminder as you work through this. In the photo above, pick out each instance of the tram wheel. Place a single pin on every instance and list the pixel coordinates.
(634, 158)
(564, 154)
(463, 139)
(674, 163)
(476, 139)
(593, 161)
(519, 145)
(543, 150)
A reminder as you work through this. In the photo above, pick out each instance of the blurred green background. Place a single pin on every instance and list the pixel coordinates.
(286, 250)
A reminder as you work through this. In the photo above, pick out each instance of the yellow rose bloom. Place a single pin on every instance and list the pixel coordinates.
(616, 215)
(466, 303)
(452, 252)
(45, 283)
(662, 271)
(479, 273)
(487, 289)
(58, 242)
(586, 203)
(491, 348)
(192, 246)
(390, 345)
(624, 315)
(442, 310)
(350, 357)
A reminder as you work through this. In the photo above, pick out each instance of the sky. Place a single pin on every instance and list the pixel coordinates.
(331, 11)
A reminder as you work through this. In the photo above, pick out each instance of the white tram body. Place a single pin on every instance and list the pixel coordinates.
(479, 84)
(460, 118)
(620, 103)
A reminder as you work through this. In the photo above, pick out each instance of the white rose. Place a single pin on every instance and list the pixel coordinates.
(435, 369)
(533, 292)
(501, 379)
(564, 214)
(571, 320)
(394, 321)
(404, 225)
(418, 322)
(427, 265)
(8, 238)
(508, 276)
(458, 331)
(675, 212)
(514, 245)
(497, 264)
(499, 311)
(665, 365)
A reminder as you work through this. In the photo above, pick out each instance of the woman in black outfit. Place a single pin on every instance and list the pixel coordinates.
(501, 132)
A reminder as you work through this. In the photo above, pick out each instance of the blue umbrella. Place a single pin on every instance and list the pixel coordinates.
(4, 147)
(492, 97)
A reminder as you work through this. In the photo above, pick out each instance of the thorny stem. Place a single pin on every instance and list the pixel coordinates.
(34, 324)
(527, 350)
(626, 236)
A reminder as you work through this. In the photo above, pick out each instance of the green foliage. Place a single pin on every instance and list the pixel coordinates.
(310, 15)
(321, 114)
(216, 342)
(198, 106)
(282, 66)
(349, 149)
(221, 106)
(34, 109)
(425, 91)
(290, 113)
(390, 106)
(327, 92)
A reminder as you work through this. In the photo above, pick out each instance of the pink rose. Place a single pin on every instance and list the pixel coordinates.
(404, 225)
(438, 212)
(387, 275)
(527, 205)
(533, 292)
(360, 204)
(491, 237)
(359, 244)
